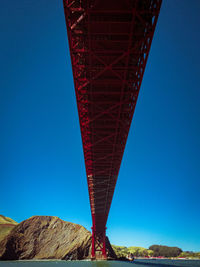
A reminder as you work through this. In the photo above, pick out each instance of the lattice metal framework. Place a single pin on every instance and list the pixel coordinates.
(109, 44)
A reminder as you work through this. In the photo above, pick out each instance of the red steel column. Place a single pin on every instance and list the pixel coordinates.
(93, 253)
(98, 242)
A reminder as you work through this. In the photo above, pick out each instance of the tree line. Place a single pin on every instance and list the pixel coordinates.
(154, 251)
(165, 251)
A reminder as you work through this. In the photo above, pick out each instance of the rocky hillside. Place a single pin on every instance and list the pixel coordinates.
(46, 237)
(6, 225)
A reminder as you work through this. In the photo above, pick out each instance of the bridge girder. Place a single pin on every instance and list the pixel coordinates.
(109, 44)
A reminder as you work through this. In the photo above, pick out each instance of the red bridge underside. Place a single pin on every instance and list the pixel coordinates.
(109, 44)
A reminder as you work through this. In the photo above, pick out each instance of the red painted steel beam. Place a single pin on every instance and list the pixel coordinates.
(109, 45)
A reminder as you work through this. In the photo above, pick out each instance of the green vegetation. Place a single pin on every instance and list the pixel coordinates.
(165, 251)
(135, 251)
(190, 255)
(154, 251)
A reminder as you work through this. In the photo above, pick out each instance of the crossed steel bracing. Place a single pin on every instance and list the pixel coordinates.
(109, 44)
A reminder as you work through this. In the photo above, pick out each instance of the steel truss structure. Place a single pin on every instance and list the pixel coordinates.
(109, 44)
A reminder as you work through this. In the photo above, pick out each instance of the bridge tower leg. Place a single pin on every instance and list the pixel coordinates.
(98, 245)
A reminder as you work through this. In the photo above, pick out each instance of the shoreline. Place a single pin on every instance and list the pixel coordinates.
(55, 260)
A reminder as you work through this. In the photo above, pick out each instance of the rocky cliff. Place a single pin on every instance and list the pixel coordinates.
(46, 237)
(6, 225)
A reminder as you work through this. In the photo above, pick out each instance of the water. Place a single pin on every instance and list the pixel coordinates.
(136, 263)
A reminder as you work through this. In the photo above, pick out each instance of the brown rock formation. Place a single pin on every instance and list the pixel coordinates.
(46, 237)
(6, 225)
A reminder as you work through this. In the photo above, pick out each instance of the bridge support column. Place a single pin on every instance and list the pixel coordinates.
(98, 245)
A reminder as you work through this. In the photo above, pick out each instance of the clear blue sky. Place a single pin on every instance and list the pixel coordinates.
(42, 172)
